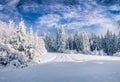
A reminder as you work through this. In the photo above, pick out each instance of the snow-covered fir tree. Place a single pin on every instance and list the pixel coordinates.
(78, 42)
(49, 42)
(114, 43)
(82, 42)
(95, 42)
(29, 44)
(5, 31)
(70, 42)
(108, 43)
(118, 43)
(86, 43)
(61, 38)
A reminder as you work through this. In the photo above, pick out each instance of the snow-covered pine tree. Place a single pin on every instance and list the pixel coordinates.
(39, 47)
(114, 44)
(11, 56)
(82, 42)
(29, 49)
(118, 43)
(61, 39)
(5, 31)
(49, 42)
(28, 42)
(77, 42)
(95, 42)
(21, 36)
(108, 44)
(39, 44)
(11, 29)
(85, 42)
(70, 42)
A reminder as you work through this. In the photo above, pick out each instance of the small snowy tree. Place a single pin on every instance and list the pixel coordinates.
(70, 43)
(86, 43)
(6, 31)
(110, 43)
(77, 42)
(19, 38)
(82, 42)
(95, 42)
(114, 43)
(61, 39)
(49, 42)
(118, 43)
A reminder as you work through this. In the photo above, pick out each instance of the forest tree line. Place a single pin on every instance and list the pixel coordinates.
(81, 42)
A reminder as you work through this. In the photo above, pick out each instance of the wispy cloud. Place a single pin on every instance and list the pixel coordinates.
(78, 18)
(1, 7)
(33, 8)
(115, 7)
(9, 10)
(85, 15)
(3, 16)
(12, 3)
(50, 20)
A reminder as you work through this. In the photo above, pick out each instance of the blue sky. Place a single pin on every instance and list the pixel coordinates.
(48, 15)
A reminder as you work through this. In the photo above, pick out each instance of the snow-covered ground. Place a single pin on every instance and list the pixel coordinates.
(56, 67)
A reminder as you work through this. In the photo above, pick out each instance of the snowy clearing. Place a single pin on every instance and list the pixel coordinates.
(66, 68)
(57, 57)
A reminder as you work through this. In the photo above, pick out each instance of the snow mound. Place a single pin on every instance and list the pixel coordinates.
(117, 54)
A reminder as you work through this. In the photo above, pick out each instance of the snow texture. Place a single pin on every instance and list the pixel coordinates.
(66, 68)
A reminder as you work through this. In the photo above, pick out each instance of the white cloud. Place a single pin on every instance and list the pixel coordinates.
(34, 7)
(96, 17)
(1, 7)
(70, 15)
(86, 14)
(117, 17)
(4, 16)
(50, 20)
(114, 7)
(60, 7)
(9, 10)
(13, 3)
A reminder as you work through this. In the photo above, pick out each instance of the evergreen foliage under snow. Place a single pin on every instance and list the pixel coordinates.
(108, 44)
(23, 46)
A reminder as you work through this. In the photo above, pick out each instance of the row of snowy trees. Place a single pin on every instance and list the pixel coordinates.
(62, 42)
(29, 44)
(82, 42)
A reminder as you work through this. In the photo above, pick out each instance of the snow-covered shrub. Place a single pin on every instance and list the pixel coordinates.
(98, 53)
(117, 54)
(70, 51)
(8, 55)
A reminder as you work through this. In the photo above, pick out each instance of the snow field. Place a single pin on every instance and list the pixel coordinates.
(55, 67)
